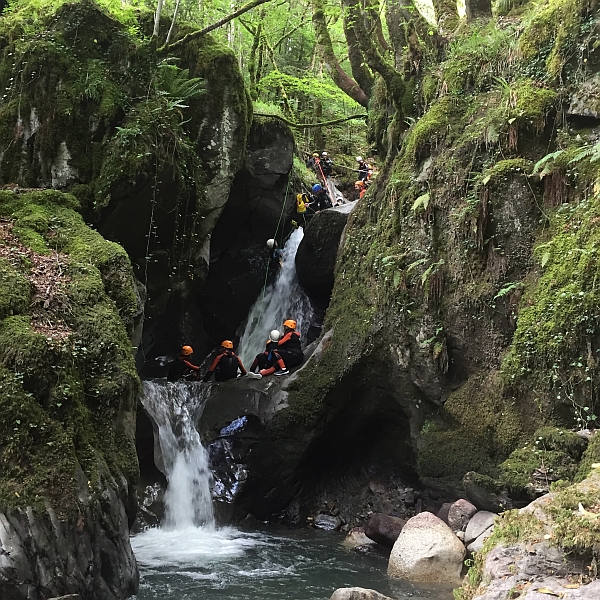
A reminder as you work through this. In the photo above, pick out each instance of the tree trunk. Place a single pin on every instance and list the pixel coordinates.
(159, 6)
(409, 32)
(173, 21)
(446, 14)
(478, 9)
(340, 78)
(393, 79)
(319, 142)
(360, 71)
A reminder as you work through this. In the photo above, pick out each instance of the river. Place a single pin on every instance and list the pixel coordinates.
(264, 563)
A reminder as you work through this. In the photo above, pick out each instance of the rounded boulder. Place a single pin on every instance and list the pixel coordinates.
(427, 550)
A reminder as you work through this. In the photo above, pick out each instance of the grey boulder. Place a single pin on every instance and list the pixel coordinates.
(327, 522)
(460, 514)
(356, 593)
(384, 529)
(480, 521)
(427, 550)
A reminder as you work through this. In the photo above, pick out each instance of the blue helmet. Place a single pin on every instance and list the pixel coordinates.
(316, 188)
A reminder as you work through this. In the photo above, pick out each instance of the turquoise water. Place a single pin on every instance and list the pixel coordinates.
(268, 564)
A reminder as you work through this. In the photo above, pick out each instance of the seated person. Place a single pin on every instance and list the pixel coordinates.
(290, 347)
(182, 368)
(226, 364)
(268, 362)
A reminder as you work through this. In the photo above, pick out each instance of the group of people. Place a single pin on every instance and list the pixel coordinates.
(323, 167)
(282, 352)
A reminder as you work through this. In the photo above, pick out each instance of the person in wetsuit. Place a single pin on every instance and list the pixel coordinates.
(320, 198)
(182, 368)
(290, 346)
(326, 164)
(268, 362)
(226, 364)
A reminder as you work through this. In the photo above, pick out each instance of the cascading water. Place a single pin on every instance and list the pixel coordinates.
(284, 299)
(174, 408)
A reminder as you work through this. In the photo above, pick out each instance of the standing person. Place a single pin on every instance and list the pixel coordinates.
(361, 188)
(320, 199)
(182, 368)
(290, 347)
(326, 165)
(226, 364)
(302, 204)
(266, 361)
(313, 163)
(363, 169)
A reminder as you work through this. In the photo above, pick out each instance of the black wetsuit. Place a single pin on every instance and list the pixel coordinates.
(327, 166)
(290, 349)
(363, 170)
(225, 366)
(320, 201)
(182, 369)
(266, 359)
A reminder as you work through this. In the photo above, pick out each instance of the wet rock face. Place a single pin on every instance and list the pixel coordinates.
(257, 209)
(42, 556)
(317, 253)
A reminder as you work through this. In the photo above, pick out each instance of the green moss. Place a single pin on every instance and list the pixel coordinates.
(590, 457)
(15, 290)
(518, 470)
(560, 440)
(431, 126)
(506, 168)
(575, 530)
(559, 319)
(552, 33)
(487, 428)
(73, 383)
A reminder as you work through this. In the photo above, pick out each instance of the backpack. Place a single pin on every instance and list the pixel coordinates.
(301, 202)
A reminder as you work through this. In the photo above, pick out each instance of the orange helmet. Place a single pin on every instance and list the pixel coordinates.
(359, 184)
(290, 323)
(186, 350)
(227, 344)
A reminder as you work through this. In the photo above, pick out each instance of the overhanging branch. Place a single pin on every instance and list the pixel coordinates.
(303, 125)
(196, 34)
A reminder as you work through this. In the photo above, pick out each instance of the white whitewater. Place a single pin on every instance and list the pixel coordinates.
(187, 537)
(284, 299)
(174, 408)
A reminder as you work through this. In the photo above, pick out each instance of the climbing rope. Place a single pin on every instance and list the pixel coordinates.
(283, 207)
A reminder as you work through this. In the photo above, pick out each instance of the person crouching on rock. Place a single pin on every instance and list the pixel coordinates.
(290, 347)
(268, 362)
(182, 368)
(226, 364)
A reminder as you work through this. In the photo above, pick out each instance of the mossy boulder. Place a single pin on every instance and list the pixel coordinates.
(68, 390)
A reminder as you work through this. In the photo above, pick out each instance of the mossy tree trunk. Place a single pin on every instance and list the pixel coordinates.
(360, 70)
(348, 85)
(446, 14)
(393, 79)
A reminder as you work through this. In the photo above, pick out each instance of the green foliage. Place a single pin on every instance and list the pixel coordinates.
(551, 34)
(559, 318)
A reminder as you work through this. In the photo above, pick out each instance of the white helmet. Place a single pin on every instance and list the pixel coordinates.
(270, 244)
(274, 335)
(324, 154)
(359, 159)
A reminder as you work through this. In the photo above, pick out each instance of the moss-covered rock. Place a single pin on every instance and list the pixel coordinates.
(68, 384)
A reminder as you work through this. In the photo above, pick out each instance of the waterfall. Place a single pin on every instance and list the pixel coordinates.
(284, 299)
(175, 407)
